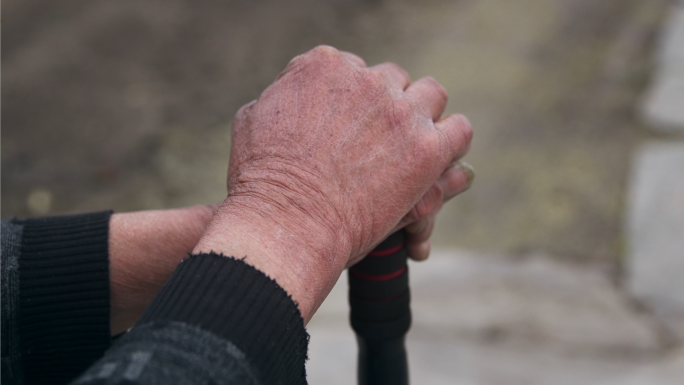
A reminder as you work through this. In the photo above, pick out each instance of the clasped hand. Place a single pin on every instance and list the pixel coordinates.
(328, 161)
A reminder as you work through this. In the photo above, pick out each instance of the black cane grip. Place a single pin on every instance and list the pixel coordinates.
(380, 314)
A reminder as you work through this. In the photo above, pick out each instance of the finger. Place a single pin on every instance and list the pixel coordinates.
(455, 134)
(420, 231)
(419, 252)
(353, 58)
(453, 181)
(456, 179)
(418, 238)
(429, 203)
(396, 75)
(417, 226)
(430, 95)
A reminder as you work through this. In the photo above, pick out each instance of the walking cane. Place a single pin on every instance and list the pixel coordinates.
(380, 314)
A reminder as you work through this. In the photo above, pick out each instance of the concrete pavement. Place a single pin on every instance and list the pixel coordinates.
(487, 319)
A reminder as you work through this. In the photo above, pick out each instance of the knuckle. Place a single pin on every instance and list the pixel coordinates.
(400, 112)
(319, 55)
(296, 60)
(465, 128)
(374, 80)
(326, 53)
(244, 111)
(447, 148)
(353, 58)
(390, 66)
(456, 137)
(399, 70)
(437, 87)
(467, 133)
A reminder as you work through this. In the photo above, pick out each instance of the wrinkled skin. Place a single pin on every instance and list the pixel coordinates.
(330, 159)
(342, 148)
(146, 246)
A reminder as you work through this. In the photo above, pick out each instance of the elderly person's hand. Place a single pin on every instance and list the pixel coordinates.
(330, 159)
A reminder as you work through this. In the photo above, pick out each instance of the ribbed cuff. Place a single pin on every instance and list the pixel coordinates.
(239, 303)
(64, 295)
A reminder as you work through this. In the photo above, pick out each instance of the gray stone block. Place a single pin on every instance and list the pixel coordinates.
(655, 227)
(663, 105)
(671, 45)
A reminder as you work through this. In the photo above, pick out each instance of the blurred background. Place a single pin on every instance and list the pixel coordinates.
(552, 269)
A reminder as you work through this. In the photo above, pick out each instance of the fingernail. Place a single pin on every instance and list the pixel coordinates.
(468, 169)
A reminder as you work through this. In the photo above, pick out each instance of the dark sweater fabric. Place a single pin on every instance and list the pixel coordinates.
(217, 321)
(58, 301)
(9, 271)
(211, 301)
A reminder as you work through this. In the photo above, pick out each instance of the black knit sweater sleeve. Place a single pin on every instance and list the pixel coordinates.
(55, 297)
(217, 321)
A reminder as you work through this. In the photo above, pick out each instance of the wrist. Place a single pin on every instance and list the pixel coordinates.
(144, 249)
(304, 257)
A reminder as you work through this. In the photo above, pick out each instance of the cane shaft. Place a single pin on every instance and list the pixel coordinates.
(380, 313)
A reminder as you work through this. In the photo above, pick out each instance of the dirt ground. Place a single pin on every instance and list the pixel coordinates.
(127, 104)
